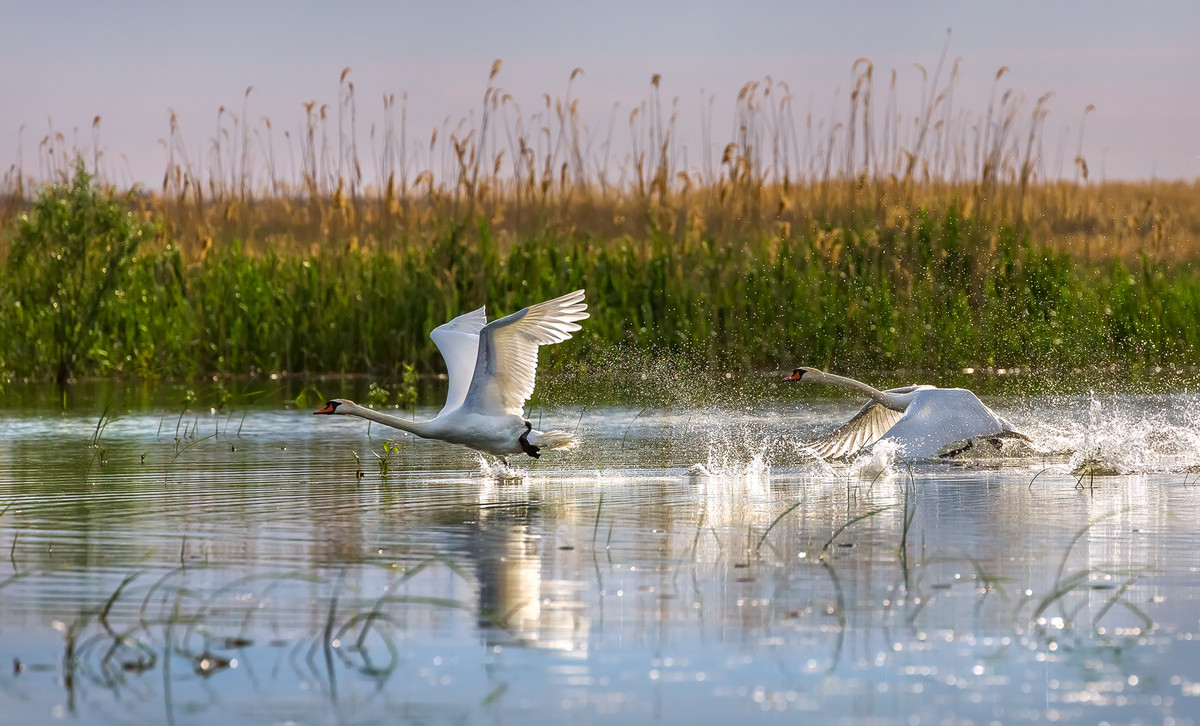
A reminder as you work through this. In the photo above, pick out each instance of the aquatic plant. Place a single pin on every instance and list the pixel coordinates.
(384, 460)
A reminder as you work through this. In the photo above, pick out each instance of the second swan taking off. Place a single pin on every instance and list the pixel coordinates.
(925, 421)
(491, 367)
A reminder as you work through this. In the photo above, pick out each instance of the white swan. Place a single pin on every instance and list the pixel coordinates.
(925, 421)
(491, 367)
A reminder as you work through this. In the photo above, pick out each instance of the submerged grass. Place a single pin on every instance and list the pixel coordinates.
(863, 242)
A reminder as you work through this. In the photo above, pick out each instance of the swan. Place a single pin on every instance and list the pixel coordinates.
(925, 421)
(491, 367)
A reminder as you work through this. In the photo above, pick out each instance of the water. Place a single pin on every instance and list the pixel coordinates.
(687, 564)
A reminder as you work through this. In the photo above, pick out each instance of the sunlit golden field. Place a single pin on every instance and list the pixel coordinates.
(523, 173)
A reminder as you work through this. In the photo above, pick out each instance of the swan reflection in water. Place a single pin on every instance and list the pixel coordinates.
(518, 603)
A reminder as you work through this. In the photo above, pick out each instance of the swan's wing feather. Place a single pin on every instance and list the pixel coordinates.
(506, 364)
(458, 342)
(866, 427)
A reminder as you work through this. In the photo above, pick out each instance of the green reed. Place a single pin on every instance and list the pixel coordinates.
(872, 239)
(935, 292)
(66, 258)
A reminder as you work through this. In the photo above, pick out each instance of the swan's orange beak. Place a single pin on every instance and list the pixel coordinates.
(328, 409)
(794, 375)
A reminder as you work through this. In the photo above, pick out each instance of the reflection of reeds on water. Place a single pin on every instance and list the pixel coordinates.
(144, 626)
(118, 642)
(1074, 592)
(1097, 590)
(357, 620)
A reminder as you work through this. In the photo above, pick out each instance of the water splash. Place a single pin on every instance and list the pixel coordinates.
(1127, 434)
(722, 460)
(735, 447)
(882, 460)
(819, 463)
(497, 470)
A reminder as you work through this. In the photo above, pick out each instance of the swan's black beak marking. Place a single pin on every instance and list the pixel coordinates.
(795, 375)
(329, 408)
(527, 447)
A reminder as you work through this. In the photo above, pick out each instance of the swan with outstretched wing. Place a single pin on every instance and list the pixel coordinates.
(491, 368)
(924, 421)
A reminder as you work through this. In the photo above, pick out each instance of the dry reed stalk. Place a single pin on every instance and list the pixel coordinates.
(522, 174)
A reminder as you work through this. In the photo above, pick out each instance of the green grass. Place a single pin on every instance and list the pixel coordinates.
(873, 240)
(933, 292)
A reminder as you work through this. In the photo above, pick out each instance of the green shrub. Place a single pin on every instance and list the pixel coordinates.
(66, 262)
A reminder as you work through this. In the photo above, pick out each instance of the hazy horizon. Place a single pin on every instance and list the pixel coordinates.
(132, 64)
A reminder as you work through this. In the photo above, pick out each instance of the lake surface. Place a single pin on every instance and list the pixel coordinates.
(689, 563)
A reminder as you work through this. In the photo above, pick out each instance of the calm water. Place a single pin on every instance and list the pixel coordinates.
(687, 564)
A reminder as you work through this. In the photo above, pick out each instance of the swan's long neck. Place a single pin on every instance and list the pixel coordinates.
(419, 428)
(889, 400)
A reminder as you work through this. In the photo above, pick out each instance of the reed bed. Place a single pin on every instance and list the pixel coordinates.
(936, 293)
(869, 240)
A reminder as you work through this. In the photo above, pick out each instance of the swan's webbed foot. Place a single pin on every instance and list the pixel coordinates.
(527, 447)
(951, 453)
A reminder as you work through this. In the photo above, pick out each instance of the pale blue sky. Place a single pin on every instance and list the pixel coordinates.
(129, 62)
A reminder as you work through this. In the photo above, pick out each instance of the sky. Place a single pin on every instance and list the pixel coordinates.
(132, 63)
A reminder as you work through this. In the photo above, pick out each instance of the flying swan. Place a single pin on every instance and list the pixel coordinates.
(491, 367)
(925, 421)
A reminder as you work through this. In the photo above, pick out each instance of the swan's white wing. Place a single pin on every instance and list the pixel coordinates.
(458, 341)
(506, 364)
(866, 427)
(936, 419)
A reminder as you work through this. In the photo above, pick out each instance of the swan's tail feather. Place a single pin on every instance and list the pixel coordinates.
(552, 440)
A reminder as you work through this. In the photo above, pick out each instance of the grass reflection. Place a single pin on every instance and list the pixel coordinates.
(145, 626)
